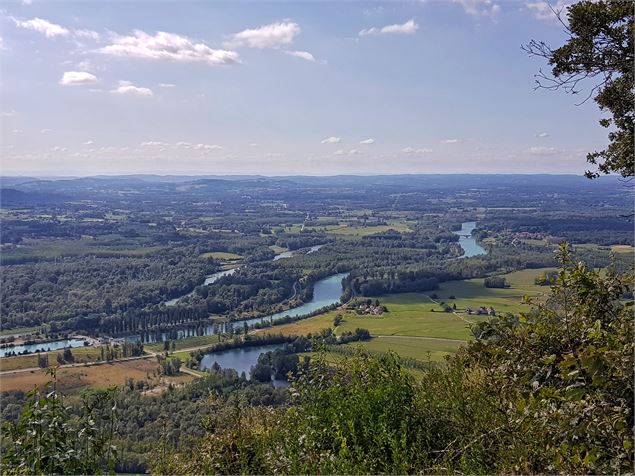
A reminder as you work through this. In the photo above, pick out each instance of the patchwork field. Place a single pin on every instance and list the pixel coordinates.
(416, 325)
(94, 376)
(367, 230)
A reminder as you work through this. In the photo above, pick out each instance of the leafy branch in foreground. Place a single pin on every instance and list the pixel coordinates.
(48, 439)
(549, 391)
(599, 50)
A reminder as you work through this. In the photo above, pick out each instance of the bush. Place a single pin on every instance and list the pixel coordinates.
(550, 391)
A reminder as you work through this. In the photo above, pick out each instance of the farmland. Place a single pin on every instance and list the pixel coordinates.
(95, 376)
(415, 325)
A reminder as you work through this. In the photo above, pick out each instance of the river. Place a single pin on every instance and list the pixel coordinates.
(208, 280)
(216, 276)
(467, 241)
(326, 292)
(44, 346)
(289, 254)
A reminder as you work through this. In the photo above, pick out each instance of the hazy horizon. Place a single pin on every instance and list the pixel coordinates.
(114, 175)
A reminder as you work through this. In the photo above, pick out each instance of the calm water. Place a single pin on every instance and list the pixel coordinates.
(286, 254)
(55, 345)
(326, 292)
(209, 280)
(467, 241)
(241, 360)
(289, 254)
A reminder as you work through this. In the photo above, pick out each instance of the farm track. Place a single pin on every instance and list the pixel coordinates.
(453, 312)
(441, 339)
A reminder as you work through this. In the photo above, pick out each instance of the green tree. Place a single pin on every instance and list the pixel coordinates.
(47, 439)
(599, 50)
(42, 360)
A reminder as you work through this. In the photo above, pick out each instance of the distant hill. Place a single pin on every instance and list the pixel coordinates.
(10, 196)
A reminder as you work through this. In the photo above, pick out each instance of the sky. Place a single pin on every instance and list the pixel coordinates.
(284, 88)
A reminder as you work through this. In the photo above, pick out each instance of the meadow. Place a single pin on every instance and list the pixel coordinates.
(417, 327)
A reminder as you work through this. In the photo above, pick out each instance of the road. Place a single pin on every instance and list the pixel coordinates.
(147, 355)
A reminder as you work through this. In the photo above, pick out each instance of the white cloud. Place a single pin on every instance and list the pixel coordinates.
(181, 145)
(48, 29)
(27, 2)
(204, 147)
(412, 150)
(546, 11)
(273, 154)
(331, 140)
(267, 36)
(406, 28)
(451, 141)
(167, 46)
(301, 54)
(89, 142)
(367, 141)
(542, 134)
(542, 150)
(207, 147)
(46, 131)
(60, 149)
(73, 78)
(347, 152)
(84, 65)
(480, 8)
(152, 143)
(126, 87)
(167, 85)
(88, 34)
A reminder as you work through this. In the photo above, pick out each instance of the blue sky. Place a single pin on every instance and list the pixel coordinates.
(284, 88)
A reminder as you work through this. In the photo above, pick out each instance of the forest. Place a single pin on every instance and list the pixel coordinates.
(513, 400)
(104, 265)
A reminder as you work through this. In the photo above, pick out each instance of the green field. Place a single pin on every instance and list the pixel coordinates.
(420, 348)
(19, 330)
(412, 329)
(354, 230)
(278, 249)
(81, 354)
(622, 249)
(221, 255)
(186, 343)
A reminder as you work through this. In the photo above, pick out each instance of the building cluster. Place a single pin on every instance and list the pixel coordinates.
(481, 311)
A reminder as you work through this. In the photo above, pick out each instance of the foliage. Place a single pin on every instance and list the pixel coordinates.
(46, 440)
(494, 282)
(549, 391)
(600, 48)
